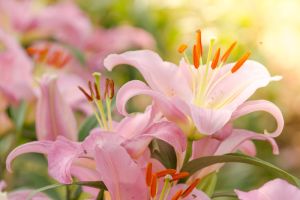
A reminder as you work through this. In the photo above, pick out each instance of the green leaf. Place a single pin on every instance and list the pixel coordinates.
(163, 152)
(17, 114)
(208, 183)
(200, 163)
(94, 184)
(86, 127)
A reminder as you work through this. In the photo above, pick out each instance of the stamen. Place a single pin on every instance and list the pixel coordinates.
(43, 53)
(240, 62)
(112, 89)
(227, 53)
(180, 176)
(91, 89)
(165, 172)
(64, 61)
(31, 51)
(190, 188)
(196, 57)
(148, 174)
(98, 96)
(177, 195)
(153, 186)
(216, 59)
(89, 98)
(199, 43)
(182, 48)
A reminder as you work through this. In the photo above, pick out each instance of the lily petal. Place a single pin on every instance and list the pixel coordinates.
(160, 75)
(54, 116)
(277, 189)
(209, 121)
(133, 88)
(165, 131)
(238, 137)
(31, 147)
(121, 175)
(261, 105)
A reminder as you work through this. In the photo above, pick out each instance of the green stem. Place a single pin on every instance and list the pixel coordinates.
(189, 151)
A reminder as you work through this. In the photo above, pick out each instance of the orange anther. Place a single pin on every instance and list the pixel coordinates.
(216, 59)
(55, 58)
(240, 62)
(31, 50)
(198, 43)
(177, 195)
(180, 175)
(188, 190)
(196, 57)
(43, 53)
(153, 186)
(148, 174)
(182, 48)
(165, 172)
(227, 53)
(64, 61)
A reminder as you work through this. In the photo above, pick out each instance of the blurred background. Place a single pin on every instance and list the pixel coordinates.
(269, 29)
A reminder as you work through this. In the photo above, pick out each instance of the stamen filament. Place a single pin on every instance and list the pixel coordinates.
(165, 190)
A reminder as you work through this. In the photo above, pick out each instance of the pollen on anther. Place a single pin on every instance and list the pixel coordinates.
(153, 186)
(177, 195)
(227, 53)
(182, 48)
(98, 96)
(188, 190)
(165, 172)
(88, 97)
(180, 175)
(199, 43)
(149, 174)
(240, 62)
(216, 59)
(196, 57)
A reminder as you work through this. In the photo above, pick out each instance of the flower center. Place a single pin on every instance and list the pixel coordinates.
(206, 76)
(170, 176)
(99, 99)
(50, 57)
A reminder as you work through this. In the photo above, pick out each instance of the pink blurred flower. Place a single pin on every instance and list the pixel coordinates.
(16, 70)
(54, 116)
(277, 189)
(199, 108)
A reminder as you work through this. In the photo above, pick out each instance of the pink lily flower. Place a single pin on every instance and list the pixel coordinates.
(54, 116)
(134, 133)
(16, 70)
(20, 194)
(276, 190)
(126, 179)
(102, 42)
(200, 98)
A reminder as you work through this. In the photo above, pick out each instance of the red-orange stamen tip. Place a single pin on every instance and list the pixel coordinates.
(31, 50)
(153, 186)
(227, 53)
(196, 57)
(199, 43)
(88, 97)
(188, 190)
(180, 175)
(149, 174)
(165, 172)
(177, 195)
(240, 62)
(182, 48)
(216, 59)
